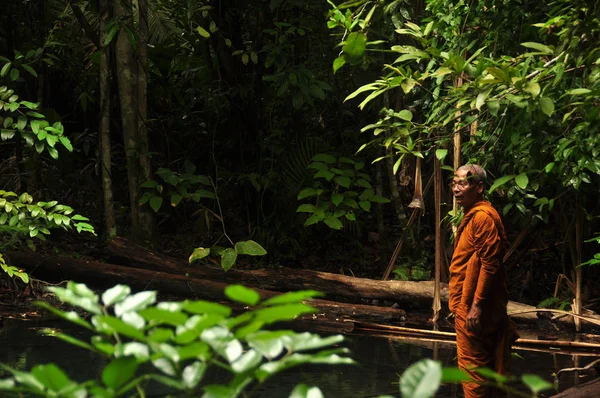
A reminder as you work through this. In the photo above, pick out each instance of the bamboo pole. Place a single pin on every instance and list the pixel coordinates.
(437, 188)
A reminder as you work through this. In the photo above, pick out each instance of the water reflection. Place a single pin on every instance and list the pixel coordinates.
(381, 361)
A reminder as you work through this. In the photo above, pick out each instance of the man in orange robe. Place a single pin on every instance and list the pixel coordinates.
(477, 289)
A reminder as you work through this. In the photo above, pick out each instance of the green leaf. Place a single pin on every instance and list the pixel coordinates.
(7, 134)
(407, 85)
(441, 153)
(30, 70)
(333, 223)
(175, 199)
(119, 371)
(114, 324)
(203, 32)
(490, 374)
(343, 181)
(421, 380)
(304, 391)
(207, 307)
(228, 258)
(249, 360)
(192, 374)
(198, 254)
(135, 302)
(115, 294)
(539, 47)
(493, 106)
(579, 91)
(51, 376)
(306, 208)
(242, 294)
(22, 122)
(293, 297)
(454, 375)
(535, 383)
(500, 181)
(522, 180)
(250, 248)
(5, 69)
(547, 105)
(68, 296)
(338, 63)
(323, 157)
(307, 192)
(156, 203)
(378, 199)
(365, 205)
(71, 316)
(355, 45)
(405, 114)
(164, 316)
(532, 88)
(337, 198)
(14, 74)
(284, 312)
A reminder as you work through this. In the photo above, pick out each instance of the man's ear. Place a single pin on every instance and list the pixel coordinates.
(480, 187)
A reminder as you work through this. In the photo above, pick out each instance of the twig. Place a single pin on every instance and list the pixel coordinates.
(588, 319)
(586, 367)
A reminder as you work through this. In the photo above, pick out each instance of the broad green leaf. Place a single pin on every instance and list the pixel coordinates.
(493, 106)
(337, 198)
(293, 297)
(228, 258)
(378, 199)
(7, 134)
(296, 359)
(355, 45)
(164, 316)
(500, 181)
(407, 85)
(68, 296)
(242, 294)
(333, 223)
(304, 391)
(454, 375)
(30, 70)
(522, 180)
(405, 114)
(579, 91)
(306, 208)
(156, 203)
(175, 199)
(192, 374)
(532, 88)
(51, 376)
(365, 205)
(338, 63)
(547, 105)
(284, 312)
(535, 383)
(539, 47)
(119, 371)
(198, 254)
(203, 32)
(343, 181)
(5, 69)
(250, 248)
(14, 74)
(441, 153)
(118, 326)
(308, 192)
(421, 380)
(309, 341)
(22, 122)
(135, 302)
(323, 157)
(490, 374)
(247, 361)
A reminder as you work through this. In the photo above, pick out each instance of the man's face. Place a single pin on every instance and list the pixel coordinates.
(466, 193)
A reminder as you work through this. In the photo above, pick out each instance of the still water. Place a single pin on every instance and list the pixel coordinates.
(381, 361)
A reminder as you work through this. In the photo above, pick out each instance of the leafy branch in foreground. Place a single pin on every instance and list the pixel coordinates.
(178, 342)
(423, 379)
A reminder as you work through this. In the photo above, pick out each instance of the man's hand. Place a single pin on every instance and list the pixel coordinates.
(474, 318)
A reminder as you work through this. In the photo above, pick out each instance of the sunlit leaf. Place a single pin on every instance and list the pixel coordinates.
(421, 380)
(242, 294)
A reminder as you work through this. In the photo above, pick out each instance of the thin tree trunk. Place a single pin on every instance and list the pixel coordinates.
(127, 79)
(147, 220)
(383, 241)
(105, 151)
(437, 188)
(579, 218)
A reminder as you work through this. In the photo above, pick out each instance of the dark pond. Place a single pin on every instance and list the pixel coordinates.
(381, 361)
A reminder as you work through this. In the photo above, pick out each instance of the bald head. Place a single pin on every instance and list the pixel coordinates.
(475, 173)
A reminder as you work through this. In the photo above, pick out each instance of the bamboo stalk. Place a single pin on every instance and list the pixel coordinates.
(437, 188)
(582, 317)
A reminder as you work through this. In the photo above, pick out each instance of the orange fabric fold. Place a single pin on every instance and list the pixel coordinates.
(477, 274)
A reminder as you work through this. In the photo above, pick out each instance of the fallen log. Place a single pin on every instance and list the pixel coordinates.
(96, 274)
(418, 294)
(589, 389)
(409, 294)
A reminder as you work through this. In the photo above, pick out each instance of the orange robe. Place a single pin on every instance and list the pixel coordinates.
(477, 273)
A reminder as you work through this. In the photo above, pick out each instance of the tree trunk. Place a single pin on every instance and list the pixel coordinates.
(96, 274)
(147, 222)
(437, 187)
(105, 147)
(128, 94)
